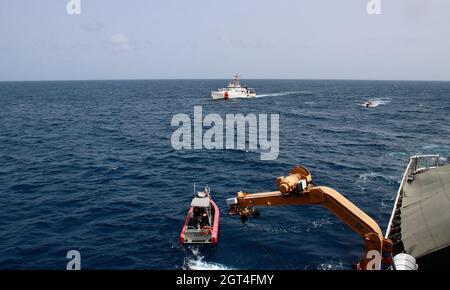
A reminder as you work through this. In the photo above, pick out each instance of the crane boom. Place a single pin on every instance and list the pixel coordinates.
(297, 189)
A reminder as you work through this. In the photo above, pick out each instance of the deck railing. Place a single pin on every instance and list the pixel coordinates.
(425, 162)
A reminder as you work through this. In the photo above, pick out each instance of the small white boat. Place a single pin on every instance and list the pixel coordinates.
(234, 90)
(369, 104)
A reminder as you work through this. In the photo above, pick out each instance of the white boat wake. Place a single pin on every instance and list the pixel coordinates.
(277, 94)
(196, 262)
(331, 266)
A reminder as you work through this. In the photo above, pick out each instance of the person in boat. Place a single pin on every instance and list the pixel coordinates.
(200, 217)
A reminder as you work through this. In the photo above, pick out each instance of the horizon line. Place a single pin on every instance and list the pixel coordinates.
(193, 79)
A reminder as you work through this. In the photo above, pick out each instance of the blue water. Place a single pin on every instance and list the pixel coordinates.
(88, 165)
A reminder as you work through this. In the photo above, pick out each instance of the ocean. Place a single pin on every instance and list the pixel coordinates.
(89, 166)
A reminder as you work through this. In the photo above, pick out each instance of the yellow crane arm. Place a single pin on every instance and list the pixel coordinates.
(297, 189)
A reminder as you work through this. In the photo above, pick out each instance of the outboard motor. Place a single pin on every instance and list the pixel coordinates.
(405, 262)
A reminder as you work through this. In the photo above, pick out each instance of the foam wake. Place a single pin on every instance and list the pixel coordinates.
(196, 261)
(331, 266)
(368, 177)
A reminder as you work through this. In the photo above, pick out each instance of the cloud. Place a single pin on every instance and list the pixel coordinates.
(120, 42)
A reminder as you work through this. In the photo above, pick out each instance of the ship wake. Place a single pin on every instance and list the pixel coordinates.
(196, 261)
(278, 94)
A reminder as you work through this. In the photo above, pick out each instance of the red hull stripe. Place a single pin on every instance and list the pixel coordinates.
(215, 233)
(186, 221)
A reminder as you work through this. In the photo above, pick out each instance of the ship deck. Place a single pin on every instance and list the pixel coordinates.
(422, 219)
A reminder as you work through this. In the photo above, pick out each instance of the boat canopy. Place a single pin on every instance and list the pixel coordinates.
(200, 202)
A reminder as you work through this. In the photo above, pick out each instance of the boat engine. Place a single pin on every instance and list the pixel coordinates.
(405, 262)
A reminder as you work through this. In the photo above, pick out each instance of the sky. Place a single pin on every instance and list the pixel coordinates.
(209, 39)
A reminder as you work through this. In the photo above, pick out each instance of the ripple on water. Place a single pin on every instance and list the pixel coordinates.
(90, 166)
